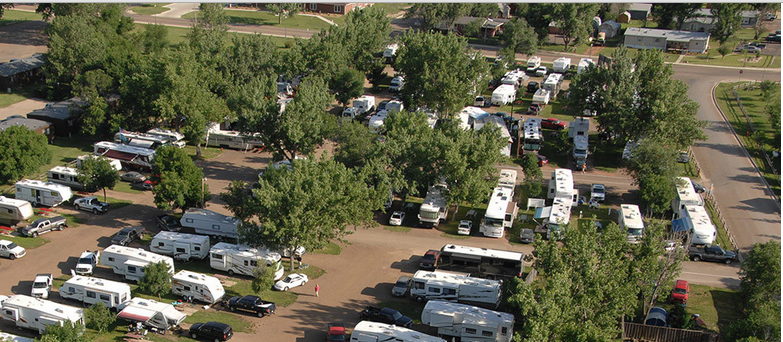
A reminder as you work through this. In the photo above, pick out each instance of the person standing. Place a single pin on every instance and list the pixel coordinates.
(317, 288)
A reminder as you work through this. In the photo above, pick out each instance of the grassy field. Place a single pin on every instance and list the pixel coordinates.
(14, 16)
(331, 249)
(392, 8)
(20, 94)
(150, 9)
(734, 60)
(244, 17)
(176, 35)
(28, 242)
(716, 306)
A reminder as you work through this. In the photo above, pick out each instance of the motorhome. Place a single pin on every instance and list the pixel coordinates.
(130, 262)
(515, 78)
(542, 96)
(391, 51)
(580, 126)
(500, 213)
(208, 222)
(562, 64)
(698, 222)
(131, 157)
(503, 95)
(630, 219)
(397, 83)
(686, 195)
(236, 259)
(580, 151)
(532, 138)
(481, 262)
(453, 287)
(14, 210)
(561, 185)
(89, 290)
(140, 139)
(553, 83)
(584, 65)
(113, 162)
(180, 246)
(508, 179)
(368, 331)
(42, 193)
(150, 313)
(227, 139)
(175, 138)
(533, 63)
(66, 176)
(36, 314)
(364, 104)
(556, 217)
(467, 322)
(435, 206)
(197, 286)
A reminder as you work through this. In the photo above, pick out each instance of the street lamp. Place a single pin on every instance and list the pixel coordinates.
(203, 180)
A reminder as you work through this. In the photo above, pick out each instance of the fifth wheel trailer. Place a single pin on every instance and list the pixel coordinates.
(130, 262)
(36, 314)
(367, 331)
(450, 286)
(90, 290)
(467, 322)
(14, 210)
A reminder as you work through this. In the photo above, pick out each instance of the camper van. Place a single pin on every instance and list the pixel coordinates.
(180, 246)
(686, 195)
(36, 314)
(150, 313)
(368, 331)
(236, 259)
(130, 262)
(364, 104)
(197, 286)
(114, 162)
(207, 222)
(467, 322)
(630, 219)
(504, 95)
(89, 290)
(699, 223)
(500, 213)
(553, 83)
(42, 193)
(65, 176)
(453, 287)
(14, 210)
(434, 208)
(562, 64)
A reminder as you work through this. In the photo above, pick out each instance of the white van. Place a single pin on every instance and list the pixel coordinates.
(197, 286)
(42, 193)
(14, 210)
(181, 246)
(89, 290)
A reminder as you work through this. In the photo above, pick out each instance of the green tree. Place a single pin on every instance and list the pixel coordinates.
(654, 168)
(728, 19)
(157, 279)
(207, 36)
(657, 192)
(22, 152)
(473, 28)
(435, 14)
(99, 317)
(180, 181)
(654, 267)
(673, 15)
(576, 21)
(772, 109)
(263, 278)
(484, 10)
(533, 176)
(347, 84)
(760, 291)
(281, 9)
(520, 37)
(366, 31)
(538, 16)
(98, 173)
(724, 49)
(68, 332)
(355, 145)
(154, 38)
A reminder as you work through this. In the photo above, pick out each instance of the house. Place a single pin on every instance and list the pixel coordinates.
(489, 27)
(60, 115)
(21, 72)
(704, 21)
(334, 8)
(667, 40)
(639, 11)
(34, 125)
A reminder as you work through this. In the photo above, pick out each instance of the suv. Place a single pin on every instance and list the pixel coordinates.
(212, 331)
(127, 235)
(552, 123)
(401, 286)
(429, 259)
(598, 192)
(91, 204)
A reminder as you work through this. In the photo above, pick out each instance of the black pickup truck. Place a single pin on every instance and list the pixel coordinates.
(386, 315)
(253, 304)
(711, 253)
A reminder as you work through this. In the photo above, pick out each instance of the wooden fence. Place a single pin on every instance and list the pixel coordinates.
(713, 203)
(650, 333)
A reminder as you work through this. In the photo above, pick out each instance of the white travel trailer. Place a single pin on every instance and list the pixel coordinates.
(42, 193)
(66, 176)
(561, 185)
(131, 157)
(562, 64)
(698, 221)
(542, 96)
(175, 138)
(515, 78)
(468, 323)
(531, 134)
(376, 121)
(503, 95)
(367, 331)
(686, 195)
(390, 51)
(227, 139)
(533, 63)
(583, 65)
(180, 246)
(553, 83)
(197, 286)
(208, 222)
(140, 139)
(89, 290)
(151, 313)
(630, 219)
(36, 314)
(434, 208)
(500, 213)
(114, 162)
(130, 262)
(14, 210)
(455, 287)
(364, 104)
(236, 259)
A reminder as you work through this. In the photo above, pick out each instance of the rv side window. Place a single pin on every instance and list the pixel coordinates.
(131, 269)
(450, 292)
(189, 220)
(197, 248)
(161, 244)
(55, 176)
(503, 331)
(180, 250)
(54, 193)
(186, 288)
(418, 285)
(71, 290)
(106, 297)
(216, 256)
(123, 298)
(486, 333)
(90, 294)
(470, 331)
(216, 226)
(111, 259)
(434, 290)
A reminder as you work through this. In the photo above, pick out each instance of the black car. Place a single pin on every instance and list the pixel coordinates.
(385, 315)
(526, 235)
(253, 304)
(532, 87)
(212, 331)
(127, 235)
(142, 186)
(534, 109)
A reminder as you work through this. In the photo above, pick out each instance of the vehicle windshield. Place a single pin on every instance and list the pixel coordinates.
(397, 215)
(123, 233)
(12, 245)
(85, 261)
(635, 231)
(493, 222)
(39, 285)
(429, 257)
(403, 283)
(429, 214)
(397, 315)
(287, 280)
(680, 291)
(598, 190)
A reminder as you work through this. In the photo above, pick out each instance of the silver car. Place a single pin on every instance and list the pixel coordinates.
(400, 288)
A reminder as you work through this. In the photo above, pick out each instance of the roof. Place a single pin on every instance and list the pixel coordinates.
(436, 197)
(136, 254)
(640, 7)
(138, 308)
(245, 251)
(396, 333)
(65, 170)
(498, 203)
(210, 215)
(52, 309)
(55, 110)
(46, 185)
(21, 65)
(484, 252)
(564, 181)
(98, 283)
(183, 237)
(124, 148)
(32, 124)
(631, 216)
(669, 35)
(560, 212)
(685, 192)
(12, 201)
(698, 219)
(462, 314)
(193, 277)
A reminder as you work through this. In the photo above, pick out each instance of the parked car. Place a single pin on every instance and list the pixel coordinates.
(212, 331)
(91, 204)
(761, 46)
(598, 192)
(480, 101)
(132, 177)
(385, 315)
(41, 285)
(534, 109)
(142, 186)
(292, 280)
(396, 218)
(252, 304)
(680, 291)
(45, 225)
(542, 160)
(465, 226)
(699, 188)
(11, 250)
(401, 287)
(532, 87)
(541, 71)
(711, 253)
(168, 222)
(87, 262)
(552, 123)
(335, 332)
(127, 235)
(429, 259)
(526, 235)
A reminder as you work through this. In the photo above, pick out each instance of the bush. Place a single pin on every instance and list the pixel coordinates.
(99, 317)
(263, 279)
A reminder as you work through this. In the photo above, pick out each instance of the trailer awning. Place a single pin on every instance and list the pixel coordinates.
(680, 225)
(543, 212)
(120, 155)
(136, 314)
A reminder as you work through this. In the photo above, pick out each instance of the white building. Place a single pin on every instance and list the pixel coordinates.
(647, 38)
(468, 323)
(236, 259)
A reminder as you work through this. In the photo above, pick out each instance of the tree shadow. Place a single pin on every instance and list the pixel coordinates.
(24, 33)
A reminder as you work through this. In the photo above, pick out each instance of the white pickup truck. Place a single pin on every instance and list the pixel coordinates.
(41, 285)
(87, 262)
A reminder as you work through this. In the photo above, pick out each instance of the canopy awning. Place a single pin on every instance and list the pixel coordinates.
(543, 212)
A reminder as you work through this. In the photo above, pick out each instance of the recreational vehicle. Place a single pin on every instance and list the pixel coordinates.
(541, 96)
(561, 185)
(481, 262)
(207, 222)
(131, 157)
(556, 217)
(143, 140)
(391, 51)
(180, 246)
(562, 64)
(66, 176)
(175, 138)
(434, 208)
(503, 95)
(532, 138)
(367, 331)
(130, 262)
(686, 195)
(579, 151)
(114, 162)
(197, 286)
(698, 221)
(42, 193)
(376, 121)
(508, 179)
(578, 127)
(14, 210)
(364, 104)
(553, 83)
(89, 290)
(584, 65)
(227, 139)
(533, 63)
(500, 213)
(36, 314)
(515, 78)
(468, 323)
(236, 259)
(630, 219)
(455, 287)
(150, 313)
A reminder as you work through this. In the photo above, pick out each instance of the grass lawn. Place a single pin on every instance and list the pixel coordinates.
(14, 16)
(717, 307)
(281, 299)
(331, 248)
(236, 321)
(206, 152)
(734, 60)
(269, 18)
(392, 8)
(449, 228)
(150, 9)
(28, 242)
(722, 239)
(176, 35)
(20, 94)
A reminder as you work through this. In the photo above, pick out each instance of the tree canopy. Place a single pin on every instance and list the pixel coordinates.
(180, 183)
(520, 37)
(728, 19)
(760, 291)
(576, 21)
(157, 279)
(22, 152)
(98, 173)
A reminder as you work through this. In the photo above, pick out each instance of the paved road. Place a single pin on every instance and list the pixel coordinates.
(179, 9)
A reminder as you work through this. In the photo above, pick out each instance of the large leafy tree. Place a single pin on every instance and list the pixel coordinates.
(67, 332)
(654, 168)
(538, 16)
(653, 267)
(22, 152)
(519, 36)
(365, 32)
(179, 181)
(157, 279)
(760, 291)
(576, 20)
(99, 317)
(434, 14)
(412, 151)
(281, 9)
(673, 15)
(98, 173)
(347, 84)
(728, 19)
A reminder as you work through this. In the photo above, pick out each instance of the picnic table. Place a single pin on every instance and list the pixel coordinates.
(471, 213)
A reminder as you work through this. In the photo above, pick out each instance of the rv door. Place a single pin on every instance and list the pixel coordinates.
(181, 251)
